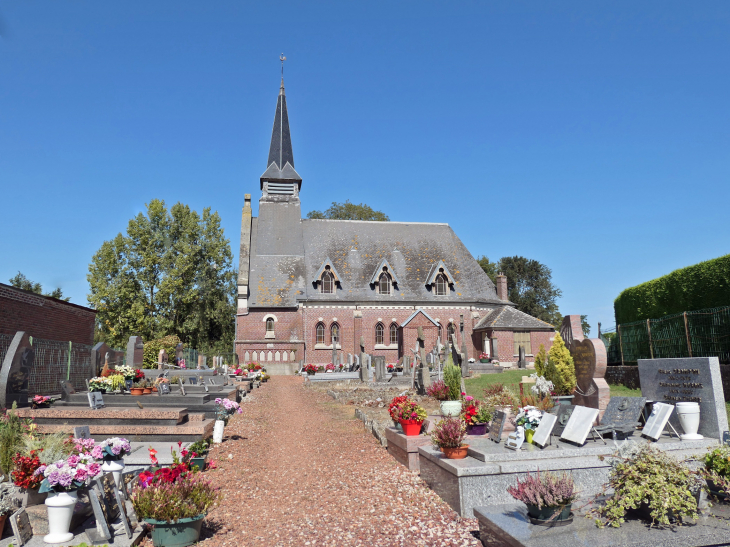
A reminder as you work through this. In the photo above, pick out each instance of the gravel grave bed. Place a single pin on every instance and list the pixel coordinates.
(296, 468)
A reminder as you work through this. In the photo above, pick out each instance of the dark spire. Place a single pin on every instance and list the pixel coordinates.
(280, 151)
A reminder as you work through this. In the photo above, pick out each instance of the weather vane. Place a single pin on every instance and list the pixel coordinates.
(282, 59)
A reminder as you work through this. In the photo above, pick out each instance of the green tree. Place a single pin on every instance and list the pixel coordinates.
(585, 326)
(490, 268)
(530, 287)
(348, 211)
(171, 273)
(22, 282)
(540, 359)
(560, 368)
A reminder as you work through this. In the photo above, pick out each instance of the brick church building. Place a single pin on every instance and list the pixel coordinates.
(306, 287)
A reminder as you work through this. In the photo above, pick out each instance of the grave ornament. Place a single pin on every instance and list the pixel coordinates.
(563, 413)
(622, 416)
(657, 421)
(497, 426)
(542, 434)
(515, 439)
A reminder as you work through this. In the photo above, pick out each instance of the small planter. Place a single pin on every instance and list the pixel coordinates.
(31, 496)
(477, 429)
(136, 391)
(397, 425)
(60, 510)
(715, 490)
(564, 399)
(483, 360)
(200, 461)
(182, 533)
(550, 515)
(528, 435)
(146, 391)
(154, 389)
(450, 408)
(411, 428)
(458, 453)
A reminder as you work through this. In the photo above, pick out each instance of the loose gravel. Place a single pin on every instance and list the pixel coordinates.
(298, 469)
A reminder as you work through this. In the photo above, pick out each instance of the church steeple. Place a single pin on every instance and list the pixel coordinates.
(280, 176)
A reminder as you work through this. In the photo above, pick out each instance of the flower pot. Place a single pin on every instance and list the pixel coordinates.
(218, 431)
(483, 360)
(182, 533)
(528, 435)
(547, 513)
(136, 391)
(563, 399)
(458, 453)
(115, 467)
(477, 429)
(689, 418)
(411, 428)
(450, 408)
(60, 510)
(200, 461)
(154, 389)
(30, 496)
(146, 391)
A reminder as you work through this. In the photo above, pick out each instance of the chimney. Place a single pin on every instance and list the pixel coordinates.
(502, 286)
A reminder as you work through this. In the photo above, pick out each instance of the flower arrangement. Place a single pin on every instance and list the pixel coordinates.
(545, 489)
(310, 368)
(128, 372)
(188, 496)
(238, 371)
(390, 367)
(411, 411)
(112, 449)
(529, 417)
(254, 367)
(100, 384)
(181, 364)
(24, 475)
(164, 475)
(499, 396)
(42, 400)
(474, 413)
(483, 356)
(330, 367)
(449, 433)
(117, 382)
(542, 386)
(69, 474)
(438, 390)
(320, 368)
(225, 408)
(394, 407)
(108, 372)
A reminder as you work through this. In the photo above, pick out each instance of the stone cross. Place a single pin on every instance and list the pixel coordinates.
(334, 353)
(161, 358)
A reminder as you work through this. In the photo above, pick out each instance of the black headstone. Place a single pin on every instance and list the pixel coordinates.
(15, 372)
(497, 426)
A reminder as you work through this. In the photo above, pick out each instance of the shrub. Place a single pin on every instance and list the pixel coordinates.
(49, 448)
(153, 347)
(540, 361)
(560, 369)
(438, 390)
(544, 490)
(717, 461)
(189, 496)
(449, 433)
(11, 438)
(499, 398)
(452, 379)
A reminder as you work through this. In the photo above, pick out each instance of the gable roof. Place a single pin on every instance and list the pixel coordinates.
(415, 313)
(506, 317)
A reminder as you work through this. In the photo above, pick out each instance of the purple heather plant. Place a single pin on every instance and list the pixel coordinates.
(544, 489)
(438, 390)
(449, 433)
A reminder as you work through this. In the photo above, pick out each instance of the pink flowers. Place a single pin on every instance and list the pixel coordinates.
(97, 452)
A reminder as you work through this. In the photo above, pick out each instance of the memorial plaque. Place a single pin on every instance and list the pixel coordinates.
(22, 530)
(497, 426)
(541, 436)
(82, 432)
(163, 389)
(96, 400)
(622, 415)
(128, 482)
(106, 486)
(660, 413)
(515, 439)
(691, 379)
(101, 533)
(563, 413)
(579, 425)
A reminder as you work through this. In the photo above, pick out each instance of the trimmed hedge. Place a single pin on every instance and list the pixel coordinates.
(153, 347)
(704, 285)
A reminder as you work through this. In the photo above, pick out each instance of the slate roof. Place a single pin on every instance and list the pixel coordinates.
(507, 317)
(281, 155)
(356, 248)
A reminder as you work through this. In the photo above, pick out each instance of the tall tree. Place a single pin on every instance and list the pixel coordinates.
(529, 286)
(584, 325)
(22, 282)
(171, 273)
(348, 211)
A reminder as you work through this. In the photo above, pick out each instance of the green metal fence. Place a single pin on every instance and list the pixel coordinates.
(701, 333)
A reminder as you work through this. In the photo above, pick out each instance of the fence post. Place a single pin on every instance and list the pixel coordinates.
(620, 344)
(651, 344)
(68, 369)
(686, 332)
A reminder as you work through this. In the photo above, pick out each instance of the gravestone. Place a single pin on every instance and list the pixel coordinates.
(379, 361)
(521, 362)
(495, 349)
(563, 413)
(541, 436)
(20, 524)
(579, 425)
(135, 352)
(96, 400)
(690, 379)
(178, 353)
(106, 486)
(82, 432)
(497, 426)
(589, 357)
(163, 389)
(15, 372)
(161, 358)
(622, 416)
(657, 421)
(363, 361)
(67, 388)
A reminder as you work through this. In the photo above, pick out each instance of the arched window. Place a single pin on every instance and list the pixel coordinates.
(441, 286)
(379, 334)
(393, 334)
(328, 282)
(335, 334)
(320, 333)
(450, 330)
(270, 325)
(384, 283)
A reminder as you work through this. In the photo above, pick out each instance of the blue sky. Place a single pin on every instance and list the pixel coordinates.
(591, 136)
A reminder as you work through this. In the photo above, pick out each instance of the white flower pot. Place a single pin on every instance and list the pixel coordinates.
(450, 408)
(218, 431)
(60, 510)
(689, 418)
(115, 467)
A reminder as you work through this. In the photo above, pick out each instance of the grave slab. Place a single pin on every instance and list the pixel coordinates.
(405, 448)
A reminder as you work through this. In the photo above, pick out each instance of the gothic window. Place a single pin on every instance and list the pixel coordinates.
(328, 283)
(379, 334)
(335, 334)
(450, 330)
(384, 283)
(441, 286)
(393, 334)
(269, 325)
(320, 333)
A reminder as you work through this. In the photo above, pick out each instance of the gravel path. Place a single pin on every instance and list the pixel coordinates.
(298, 469)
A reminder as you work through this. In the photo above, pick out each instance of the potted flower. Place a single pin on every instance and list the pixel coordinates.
(112, 452)
(174, 502)
(24, 476)
(476, 416)
(394, 410)
(528, 418)
(330, 367)
(197, 454)
(391, 367)
(223, 410)
(41, 401)
(439, 391)
(411, 416)
(62, 480)
(146, 387)
(99, 384)
(449, 436)
(483, 358)
(548, 496)
(117, 383)
(717, 471)
(310, 369)
(138, 388)
(452, 378)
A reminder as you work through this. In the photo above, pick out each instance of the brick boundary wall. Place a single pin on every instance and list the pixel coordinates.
(45, 317)
(629, 376)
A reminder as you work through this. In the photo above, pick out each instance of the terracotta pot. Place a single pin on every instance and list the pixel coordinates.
(146, 391)
(154, 389)
(455, 453)
(411, 428)
(136, 391)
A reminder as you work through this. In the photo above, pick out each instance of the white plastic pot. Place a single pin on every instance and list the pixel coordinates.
(689, 418)
(115, 467)
(450, 408)
(60, 510)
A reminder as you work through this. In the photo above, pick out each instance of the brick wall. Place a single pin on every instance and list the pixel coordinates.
(251, 335)
(45, 317)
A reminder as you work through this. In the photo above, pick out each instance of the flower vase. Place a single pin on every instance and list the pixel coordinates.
(60, 510)
(450, 408)
(115, 467)
(218, 431)
(528, 435)
(689, 418)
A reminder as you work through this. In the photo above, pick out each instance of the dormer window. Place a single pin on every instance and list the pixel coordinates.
(439, 280)
(326, 278)
(442, 287)
(384, 282)
(328, 282)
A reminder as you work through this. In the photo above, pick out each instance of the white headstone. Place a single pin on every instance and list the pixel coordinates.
(579, 424)
(543, 431)
(657, 421)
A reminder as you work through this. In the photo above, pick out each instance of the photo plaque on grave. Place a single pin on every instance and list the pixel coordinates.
(100, 534)
(163, 389)
(542, 434)
(22, 530)
(96, 400)
(563, 413)
(657, 421)
(497, 426)
(82, 432)
(579, 425)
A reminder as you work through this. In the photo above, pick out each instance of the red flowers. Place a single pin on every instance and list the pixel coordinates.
(166, 475)
(25, 467)
(394, 407)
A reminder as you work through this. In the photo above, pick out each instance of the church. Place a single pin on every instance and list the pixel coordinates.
(308, 288)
